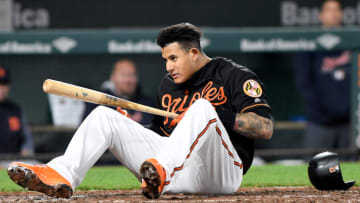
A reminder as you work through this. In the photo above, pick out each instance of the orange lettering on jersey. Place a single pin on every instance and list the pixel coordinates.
(175, 103)
(166, 103)
(211, 94)
(195, 97)
(14, 123)
(206, 88)
(178, 105)
(181, 107)
(220, 97)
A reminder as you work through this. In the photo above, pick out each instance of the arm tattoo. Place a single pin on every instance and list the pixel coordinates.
(254, 126)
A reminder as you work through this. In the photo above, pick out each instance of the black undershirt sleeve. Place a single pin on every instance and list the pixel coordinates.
(263, 111)
(227, 117)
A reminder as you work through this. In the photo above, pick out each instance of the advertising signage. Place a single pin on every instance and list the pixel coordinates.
(64, 14)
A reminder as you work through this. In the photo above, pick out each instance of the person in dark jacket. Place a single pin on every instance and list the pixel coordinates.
(124, 83)
(323, 79)
(15, 136)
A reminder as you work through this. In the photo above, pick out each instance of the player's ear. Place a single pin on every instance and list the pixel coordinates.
(194, 53)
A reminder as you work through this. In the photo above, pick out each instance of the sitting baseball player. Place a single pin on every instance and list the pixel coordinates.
(207, 149)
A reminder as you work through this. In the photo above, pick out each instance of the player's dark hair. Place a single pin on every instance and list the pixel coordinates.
(186, 34)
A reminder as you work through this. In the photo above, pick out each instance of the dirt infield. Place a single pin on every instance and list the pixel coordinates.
(265, 194)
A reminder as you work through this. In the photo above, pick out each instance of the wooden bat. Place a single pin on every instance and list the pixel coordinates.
(93, 96)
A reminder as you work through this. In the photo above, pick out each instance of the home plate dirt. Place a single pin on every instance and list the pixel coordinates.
(258, 194)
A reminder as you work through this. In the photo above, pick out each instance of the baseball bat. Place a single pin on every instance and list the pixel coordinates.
(93, 96)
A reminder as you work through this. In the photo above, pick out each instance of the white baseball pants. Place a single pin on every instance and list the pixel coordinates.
(198, 156)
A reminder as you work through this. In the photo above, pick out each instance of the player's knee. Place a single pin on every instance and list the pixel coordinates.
(100, 110)
(202, 103)
(202, 109)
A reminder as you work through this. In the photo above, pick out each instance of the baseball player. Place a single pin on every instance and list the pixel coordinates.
(207, 149)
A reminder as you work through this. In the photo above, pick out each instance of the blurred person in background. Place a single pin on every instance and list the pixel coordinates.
(15, 136)
(323, 79)
(123, 83)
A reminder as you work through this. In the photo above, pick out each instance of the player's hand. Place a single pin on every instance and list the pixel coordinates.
(176, 120)
(123, 112)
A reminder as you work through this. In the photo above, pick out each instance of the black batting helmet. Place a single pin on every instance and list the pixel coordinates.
(325, 173)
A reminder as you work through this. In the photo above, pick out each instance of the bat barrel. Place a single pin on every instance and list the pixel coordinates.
(89, 95)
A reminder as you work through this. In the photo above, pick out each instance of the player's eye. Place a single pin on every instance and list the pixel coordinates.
(173, 58)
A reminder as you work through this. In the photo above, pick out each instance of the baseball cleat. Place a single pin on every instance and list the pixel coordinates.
(40, 178)
(153, 177)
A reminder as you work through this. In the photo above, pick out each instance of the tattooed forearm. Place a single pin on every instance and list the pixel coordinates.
(253, 126)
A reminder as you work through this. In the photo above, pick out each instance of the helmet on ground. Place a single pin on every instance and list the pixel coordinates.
(325, 173)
